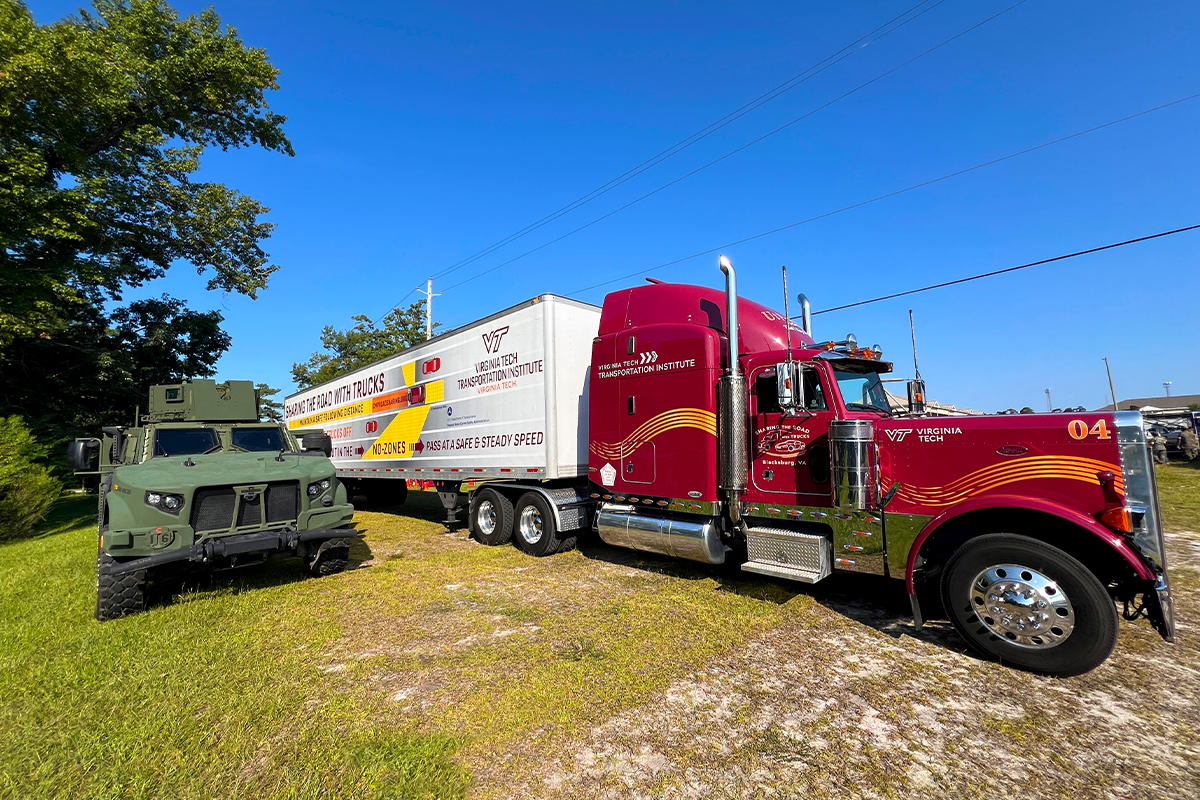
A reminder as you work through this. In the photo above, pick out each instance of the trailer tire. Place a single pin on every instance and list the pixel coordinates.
(997, 587)
(490, 517)
(535, 531)
(117, 595)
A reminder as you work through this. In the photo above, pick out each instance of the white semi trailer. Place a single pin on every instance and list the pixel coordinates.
(503, 399)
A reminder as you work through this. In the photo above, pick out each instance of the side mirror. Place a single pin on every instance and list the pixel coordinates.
(790, 386)
(313, 442)
(83, 455)
(916, 397)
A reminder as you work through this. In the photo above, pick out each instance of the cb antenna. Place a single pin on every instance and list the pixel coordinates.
(787, 321)
(912, 330)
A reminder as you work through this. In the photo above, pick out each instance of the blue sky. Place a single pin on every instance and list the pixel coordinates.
(425, 132)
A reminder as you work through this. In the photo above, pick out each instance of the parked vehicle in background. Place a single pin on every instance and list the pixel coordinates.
(686, 422)
(200, 482)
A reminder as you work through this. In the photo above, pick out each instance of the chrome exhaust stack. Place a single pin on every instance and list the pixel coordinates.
(732, 421)
(805, 314)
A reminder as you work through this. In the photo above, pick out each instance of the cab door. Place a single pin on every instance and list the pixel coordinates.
(790, 460)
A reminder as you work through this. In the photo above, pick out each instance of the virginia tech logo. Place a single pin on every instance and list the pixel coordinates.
(898, 436)
(491, 341)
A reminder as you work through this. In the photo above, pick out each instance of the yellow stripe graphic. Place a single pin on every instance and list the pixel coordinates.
(698, 418)
(1025, 469)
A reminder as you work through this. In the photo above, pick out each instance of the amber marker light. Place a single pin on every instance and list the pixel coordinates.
(1117, 519)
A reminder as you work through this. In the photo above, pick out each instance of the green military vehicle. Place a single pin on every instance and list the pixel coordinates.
(200, 482)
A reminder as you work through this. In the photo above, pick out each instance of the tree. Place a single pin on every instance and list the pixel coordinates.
(103, 118)
(362, 343)
(95, 370)
(27, 489)
(1025, 410)
(268, 409)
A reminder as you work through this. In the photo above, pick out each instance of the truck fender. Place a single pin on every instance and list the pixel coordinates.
(1066, 513)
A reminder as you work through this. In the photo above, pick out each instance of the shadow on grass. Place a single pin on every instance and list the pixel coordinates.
(69, 512)
(871, 600)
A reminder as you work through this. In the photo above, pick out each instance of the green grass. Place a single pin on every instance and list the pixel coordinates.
(398, 680)
(1179, 495)
(441, 669)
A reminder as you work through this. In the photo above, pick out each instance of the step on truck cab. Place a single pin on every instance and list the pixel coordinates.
(200, 482)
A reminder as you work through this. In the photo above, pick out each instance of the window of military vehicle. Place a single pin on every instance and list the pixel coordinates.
(184, 441)
(862, 391)
(258, 439)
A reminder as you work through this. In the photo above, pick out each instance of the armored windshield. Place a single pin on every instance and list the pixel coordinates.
(258, 439)
(185, 441)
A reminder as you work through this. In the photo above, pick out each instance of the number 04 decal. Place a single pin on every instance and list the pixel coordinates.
(1079, 429)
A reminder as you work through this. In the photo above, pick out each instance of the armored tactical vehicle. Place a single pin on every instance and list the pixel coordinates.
(200, 482)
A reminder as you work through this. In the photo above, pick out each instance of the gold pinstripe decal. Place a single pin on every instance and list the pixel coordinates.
(698, 418)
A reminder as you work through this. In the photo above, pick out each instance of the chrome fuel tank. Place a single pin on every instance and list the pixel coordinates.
(696, 539)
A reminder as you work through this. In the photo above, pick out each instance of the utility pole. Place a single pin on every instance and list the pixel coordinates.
(1110, 384)
(1167, 386)
(429, 295)
(1049, 405)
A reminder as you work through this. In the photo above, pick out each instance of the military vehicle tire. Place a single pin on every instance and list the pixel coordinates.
(535, 531)
(331, 558)
(996, 588)
(117, 595)
(490, 517)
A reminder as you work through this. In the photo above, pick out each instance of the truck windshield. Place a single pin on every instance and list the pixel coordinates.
(185, 441)
(862, 391)
(257, 440)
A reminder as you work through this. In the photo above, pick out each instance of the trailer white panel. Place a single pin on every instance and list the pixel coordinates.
(502, 397)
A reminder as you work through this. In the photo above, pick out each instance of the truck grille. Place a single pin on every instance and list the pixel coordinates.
(283, 501)
(213, 507)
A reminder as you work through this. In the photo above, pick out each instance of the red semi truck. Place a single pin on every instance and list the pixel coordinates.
(768, 450)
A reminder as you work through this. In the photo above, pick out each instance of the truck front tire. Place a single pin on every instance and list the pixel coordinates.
(117, 595)
(491, 517)
(1029, 605)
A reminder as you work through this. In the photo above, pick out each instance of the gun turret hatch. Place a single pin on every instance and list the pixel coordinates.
(203, 401)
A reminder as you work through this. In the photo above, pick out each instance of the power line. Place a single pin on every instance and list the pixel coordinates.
(708, 130)
(781, 128)
(1011, 269)
(888, 195)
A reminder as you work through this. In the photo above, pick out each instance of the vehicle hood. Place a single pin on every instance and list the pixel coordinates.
(223, 469)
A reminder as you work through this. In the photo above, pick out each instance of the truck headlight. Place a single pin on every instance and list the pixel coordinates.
(170, 503)
(315, 489)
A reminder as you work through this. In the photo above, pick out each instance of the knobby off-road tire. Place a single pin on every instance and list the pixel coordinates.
(490, 517)
(996, 587)
(331, 558)
(535, 531)
(117, 595)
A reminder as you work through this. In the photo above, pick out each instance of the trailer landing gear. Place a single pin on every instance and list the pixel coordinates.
(451, 498)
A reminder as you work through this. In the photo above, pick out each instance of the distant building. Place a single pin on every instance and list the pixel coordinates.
(1138, 403)
(933, 408)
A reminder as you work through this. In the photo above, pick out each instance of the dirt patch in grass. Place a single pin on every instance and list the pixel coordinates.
(847, 699)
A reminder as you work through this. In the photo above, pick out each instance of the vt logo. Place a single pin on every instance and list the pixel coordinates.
(491, 341)
(898, 436)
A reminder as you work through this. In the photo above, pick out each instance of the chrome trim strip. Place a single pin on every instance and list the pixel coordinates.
(1141, 492)
(860, 532)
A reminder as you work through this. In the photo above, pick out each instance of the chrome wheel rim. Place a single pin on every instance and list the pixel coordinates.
(531, 524)
(1022, 606)
(485, 517)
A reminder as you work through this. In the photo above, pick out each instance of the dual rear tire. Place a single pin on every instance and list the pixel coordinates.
(530, 522)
